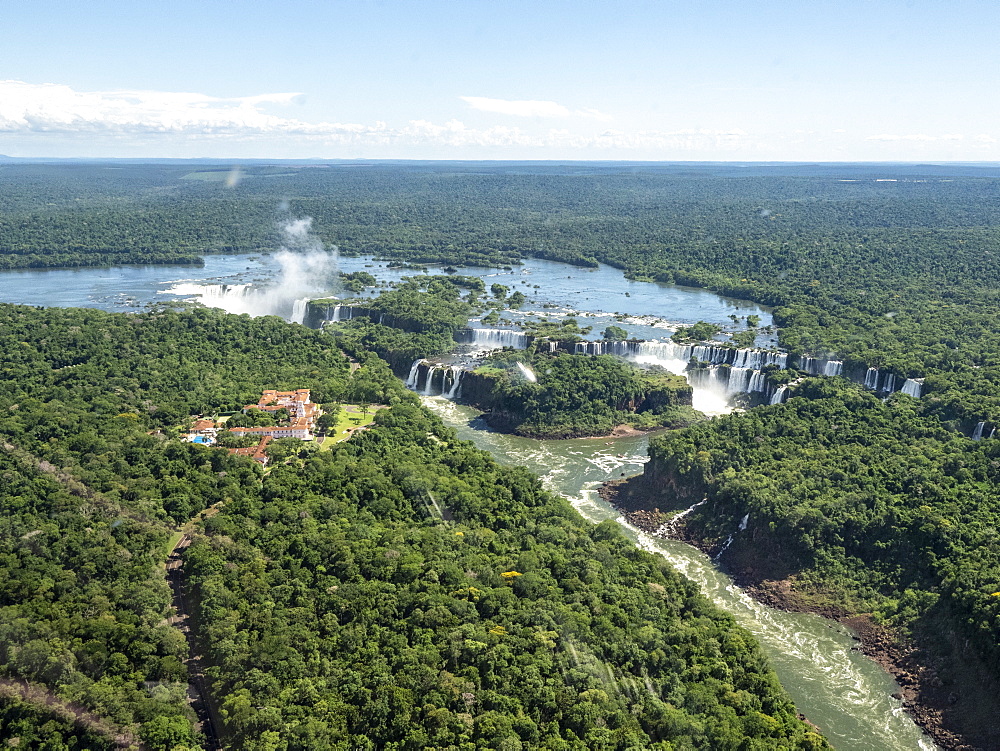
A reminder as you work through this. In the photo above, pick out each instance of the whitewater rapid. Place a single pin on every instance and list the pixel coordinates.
(839, 689)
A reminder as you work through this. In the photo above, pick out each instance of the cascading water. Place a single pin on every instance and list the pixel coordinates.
(456, 383)
(850, 697)
(528, 373)
(780, 395)
(754, 359)
(429, 383)
(729, 540)
(817, 366)
(424, 379)
(306, 270)
(977, 434)
(414, 376)
(715, 384)
(299, 310)
(485, 339)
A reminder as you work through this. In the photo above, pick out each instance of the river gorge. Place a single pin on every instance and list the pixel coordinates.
(847, 695)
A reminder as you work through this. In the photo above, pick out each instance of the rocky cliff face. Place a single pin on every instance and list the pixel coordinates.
(660, 486)
(477, 390)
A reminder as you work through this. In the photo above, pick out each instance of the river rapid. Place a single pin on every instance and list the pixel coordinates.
(832, 683)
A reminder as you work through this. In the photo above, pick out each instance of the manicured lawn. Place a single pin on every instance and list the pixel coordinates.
(350, 418)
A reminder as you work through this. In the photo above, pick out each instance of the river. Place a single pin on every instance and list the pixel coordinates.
(839, 689)
(836, 687)
(598, 297)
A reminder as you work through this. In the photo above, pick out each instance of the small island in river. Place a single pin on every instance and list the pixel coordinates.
(557, 395)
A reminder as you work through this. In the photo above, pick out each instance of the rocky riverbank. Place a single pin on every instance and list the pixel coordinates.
(924, 695)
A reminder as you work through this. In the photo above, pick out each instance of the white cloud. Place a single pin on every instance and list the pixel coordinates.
(911, 137)
(47, 111)
(529, 108)
(57, 108)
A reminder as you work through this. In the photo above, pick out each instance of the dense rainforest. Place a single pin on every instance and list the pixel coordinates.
(876, 508)
(889, 266)
(399, 590)
(560, 395)
(865, 507)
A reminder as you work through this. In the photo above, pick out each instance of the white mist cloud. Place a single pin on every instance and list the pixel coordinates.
(305, 270)
(528, 108)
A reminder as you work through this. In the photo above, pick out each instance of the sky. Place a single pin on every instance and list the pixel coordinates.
(693, 80)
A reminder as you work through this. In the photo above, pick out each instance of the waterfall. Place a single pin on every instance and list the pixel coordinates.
(414, 376)
(739, 381)
(449, 383)
(992, 431)
(496, 338)
(340, 313)
(429, 383)
(819, 366)
(670, 527)
(456, 381)
(729, 540)
(299, 310)
(744, 374)
(977, 434)
(758, 383)
(754, 359)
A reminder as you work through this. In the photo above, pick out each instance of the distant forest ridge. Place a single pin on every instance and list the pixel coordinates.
(886, 265)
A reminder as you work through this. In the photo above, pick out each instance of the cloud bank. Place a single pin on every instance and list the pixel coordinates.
(45, 119)
(56, 108)
(37, 109)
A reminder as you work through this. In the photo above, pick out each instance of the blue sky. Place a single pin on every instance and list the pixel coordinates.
(706, 80)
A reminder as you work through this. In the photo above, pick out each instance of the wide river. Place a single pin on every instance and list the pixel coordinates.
(848, 696)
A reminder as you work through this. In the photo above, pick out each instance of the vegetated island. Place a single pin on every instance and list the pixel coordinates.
(538, 394)
(396, 590)
(541, 392)
(868, 512)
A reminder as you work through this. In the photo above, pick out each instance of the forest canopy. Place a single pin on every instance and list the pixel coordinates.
(398, 590)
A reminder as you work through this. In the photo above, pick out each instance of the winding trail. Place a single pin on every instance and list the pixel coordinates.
(209, 723)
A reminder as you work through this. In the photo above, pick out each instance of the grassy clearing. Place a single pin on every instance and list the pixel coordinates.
(350, 419)
(175, 537)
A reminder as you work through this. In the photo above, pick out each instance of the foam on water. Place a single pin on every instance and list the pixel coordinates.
(847, 695)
